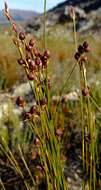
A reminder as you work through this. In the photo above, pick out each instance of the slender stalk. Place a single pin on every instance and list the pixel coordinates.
(62, 89)
(75, 35)
(44, 34)
(3, 187)
(24, 161)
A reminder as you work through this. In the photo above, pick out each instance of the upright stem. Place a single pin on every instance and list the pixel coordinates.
(44, 34)
(75, 36)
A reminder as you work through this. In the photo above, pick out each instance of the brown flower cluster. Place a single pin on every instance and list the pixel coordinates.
(82, 59)
(81, 50)
(35, 65)
(34, 61)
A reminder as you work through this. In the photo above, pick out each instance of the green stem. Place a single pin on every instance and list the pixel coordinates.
(45, 3)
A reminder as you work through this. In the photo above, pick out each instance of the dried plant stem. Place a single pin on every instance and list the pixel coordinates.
(75, 34)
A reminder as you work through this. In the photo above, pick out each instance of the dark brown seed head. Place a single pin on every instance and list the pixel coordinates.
(21, 61)
(37, 141)
(31, 76)
(37, 52)
(33, 110)
(86, 46)
(38, 61)
(27, 115)
(77, 56)
(47, 54)
(21, 36)
(28, 48)
(44, 61)
(80, 49)
(20, 101)
(32, 65)
(43, 102)
(32, 42)
(85, 92)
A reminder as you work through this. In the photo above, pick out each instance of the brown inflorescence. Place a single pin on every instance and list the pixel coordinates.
(86, 91)
(44, 61)
(34, 110)
(81, 50)
(34, 61)
(38, 61)
(43, 102)
(31, 76)
(32, 65)
(21, 61)
(32, 42)
(86, 46)
(27, 115)
(21, 36)
(47, 54)
(29, 48)
(20, 101)
(77, 56)
(37, 52)
(36, 141)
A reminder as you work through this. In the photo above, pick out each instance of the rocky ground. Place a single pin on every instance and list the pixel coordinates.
(88, 16)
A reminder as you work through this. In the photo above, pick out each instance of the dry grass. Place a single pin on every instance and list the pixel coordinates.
(62, 51)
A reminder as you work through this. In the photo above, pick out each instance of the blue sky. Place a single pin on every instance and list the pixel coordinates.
(36, 5)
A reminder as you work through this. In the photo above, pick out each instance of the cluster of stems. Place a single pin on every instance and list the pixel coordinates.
(40, 117)
(88, 120)
(89, 132)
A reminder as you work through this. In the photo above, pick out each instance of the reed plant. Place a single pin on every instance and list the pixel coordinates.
(43, 117)
(89, 131)
(40, 117)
